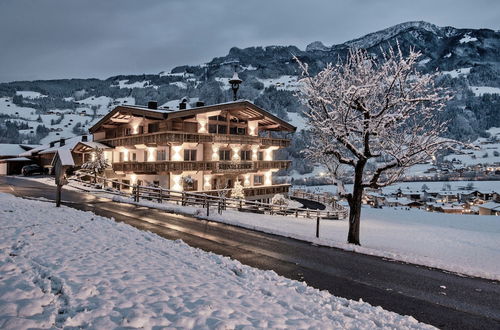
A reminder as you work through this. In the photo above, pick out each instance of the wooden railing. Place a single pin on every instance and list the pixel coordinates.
(255, 191)
(214, 166)
(210, 202)
(162, 138)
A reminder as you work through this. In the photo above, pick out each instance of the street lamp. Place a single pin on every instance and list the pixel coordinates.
(235, 82)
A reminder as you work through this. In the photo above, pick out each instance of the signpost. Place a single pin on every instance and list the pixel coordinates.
(61, 162)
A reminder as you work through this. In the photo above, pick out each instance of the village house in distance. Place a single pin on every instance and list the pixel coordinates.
(200, 149)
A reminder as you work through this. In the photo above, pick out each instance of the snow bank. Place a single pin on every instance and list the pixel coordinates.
(61, 267)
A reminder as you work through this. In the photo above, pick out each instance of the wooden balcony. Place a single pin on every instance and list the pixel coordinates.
(214, 166)
(164, 138)
(255, 191)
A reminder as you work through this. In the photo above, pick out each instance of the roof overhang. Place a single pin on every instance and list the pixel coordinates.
(244, 109)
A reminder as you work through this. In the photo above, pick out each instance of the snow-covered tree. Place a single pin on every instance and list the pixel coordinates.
(375, 112)
(279, 199)
(97, 163)
(237, 191)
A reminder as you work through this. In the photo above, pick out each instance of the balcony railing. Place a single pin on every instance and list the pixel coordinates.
(177, 137)
(254, 191)
(214, 166)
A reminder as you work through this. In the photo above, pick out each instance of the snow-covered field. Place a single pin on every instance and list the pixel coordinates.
(60, 267)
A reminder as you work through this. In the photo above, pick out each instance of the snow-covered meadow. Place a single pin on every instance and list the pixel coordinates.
(60, 267)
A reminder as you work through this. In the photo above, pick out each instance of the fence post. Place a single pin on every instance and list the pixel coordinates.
(160, 200)
(317, 226)
(208, 208)
(183, 197)
(136, 193)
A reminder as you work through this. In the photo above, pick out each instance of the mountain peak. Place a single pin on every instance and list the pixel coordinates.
(316, 45)
(375, 38)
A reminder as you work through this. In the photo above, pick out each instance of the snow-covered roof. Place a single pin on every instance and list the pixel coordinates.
(69, 144)
(10, 149)
(491, 206)
(16, 159)
(401, 201)
(65, 157)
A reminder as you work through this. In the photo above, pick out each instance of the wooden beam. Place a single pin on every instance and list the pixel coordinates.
(119, 120)
(256, 118)
(270, 126)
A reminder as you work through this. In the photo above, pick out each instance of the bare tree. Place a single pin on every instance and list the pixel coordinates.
(376, 117)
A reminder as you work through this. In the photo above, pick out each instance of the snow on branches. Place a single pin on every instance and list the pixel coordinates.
(381, 112)
(97, 163)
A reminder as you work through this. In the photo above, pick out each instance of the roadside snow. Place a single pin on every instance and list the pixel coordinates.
(60, 267)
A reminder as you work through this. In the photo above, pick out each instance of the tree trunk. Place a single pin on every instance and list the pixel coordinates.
(355, 204)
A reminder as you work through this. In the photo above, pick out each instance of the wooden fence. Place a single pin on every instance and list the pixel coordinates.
(211, 202)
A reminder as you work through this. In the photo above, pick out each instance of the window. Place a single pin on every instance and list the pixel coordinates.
(121, 157)
(153, 127)
(140, 130)
(224, 154)
(145, 155)
(258, 180)
(156, 183)
(221, 129)
(128, 131)
(260, 155)
(217, 129)
(190, 155)
(134, 157)
(246, 155)
(217, 118)
(237, 130)
(161, 154)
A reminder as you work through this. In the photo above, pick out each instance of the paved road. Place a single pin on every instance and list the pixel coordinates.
(465, 303)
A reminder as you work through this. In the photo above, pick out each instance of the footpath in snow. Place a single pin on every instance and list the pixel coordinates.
(60, 267)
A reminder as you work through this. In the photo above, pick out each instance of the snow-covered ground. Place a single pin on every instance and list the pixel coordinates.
(60, 267)
(480, 90)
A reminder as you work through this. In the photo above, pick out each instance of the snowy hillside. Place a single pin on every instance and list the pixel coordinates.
(120, 277)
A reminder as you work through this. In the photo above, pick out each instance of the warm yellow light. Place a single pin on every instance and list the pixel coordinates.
(202, 126)
(207, 185)
(92, 156)
(133, 179)
(268, 178)
(236, 152)
(255, 152)
(151, 154)
(177, 182)
(252, 128)
(125, 155)
(268, 153)
(215, 152)
(176, 153)
(246, 182)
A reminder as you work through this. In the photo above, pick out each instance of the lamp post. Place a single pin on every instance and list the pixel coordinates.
(235, 82)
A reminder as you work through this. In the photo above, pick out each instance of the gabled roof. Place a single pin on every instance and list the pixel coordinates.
(245, 108)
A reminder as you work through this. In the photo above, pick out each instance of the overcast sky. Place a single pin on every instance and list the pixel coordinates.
(47, 39)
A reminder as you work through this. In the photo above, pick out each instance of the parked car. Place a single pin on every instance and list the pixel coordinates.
(32, 169)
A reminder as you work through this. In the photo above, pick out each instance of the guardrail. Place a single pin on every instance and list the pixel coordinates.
(210, 201)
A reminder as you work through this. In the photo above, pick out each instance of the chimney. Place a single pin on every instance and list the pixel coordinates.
(61, 142)
(153, 105)
(52, 144)
(200, 104)
(183, 104)
(84, 138)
